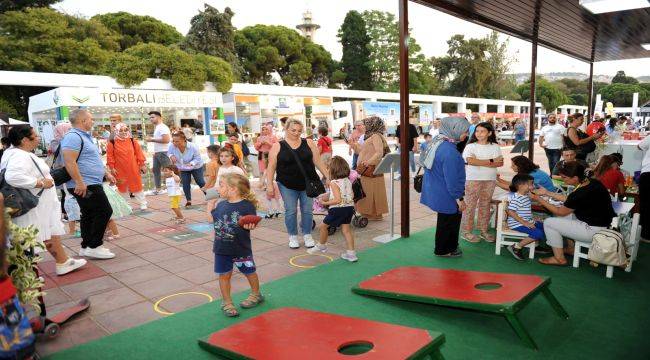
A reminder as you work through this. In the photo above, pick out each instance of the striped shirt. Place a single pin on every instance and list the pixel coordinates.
(521, 205)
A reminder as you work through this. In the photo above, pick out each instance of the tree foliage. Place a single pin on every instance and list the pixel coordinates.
(621, 78)
(621, 94)
(185, 71)
(8, 108)
(212, 33)
(135, 29)
(545, 92)
(14, 5)
(45, 40)
(264, 50)
(356, 53)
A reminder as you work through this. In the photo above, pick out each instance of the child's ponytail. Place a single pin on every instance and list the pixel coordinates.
(241, 183)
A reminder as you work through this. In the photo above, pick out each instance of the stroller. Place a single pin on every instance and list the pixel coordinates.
(358, 221)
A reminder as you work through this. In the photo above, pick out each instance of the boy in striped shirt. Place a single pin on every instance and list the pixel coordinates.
(520, 214)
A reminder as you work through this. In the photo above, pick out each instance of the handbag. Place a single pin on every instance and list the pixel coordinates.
(61, 175)
(18, 201)
(608, 248)
(417, 181)
(366, 170)
(313, 188)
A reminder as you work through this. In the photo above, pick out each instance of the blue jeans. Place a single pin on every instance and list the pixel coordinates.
(186, 180)
(355, 157)
(553, 156)
(411, 159)
(290, 199)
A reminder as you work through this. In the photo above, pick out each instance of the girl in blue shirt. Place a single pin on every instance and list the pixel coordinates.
(523, 165)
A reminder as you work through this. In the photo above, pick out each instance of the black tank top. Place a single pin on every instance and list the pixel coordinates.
(287, 170)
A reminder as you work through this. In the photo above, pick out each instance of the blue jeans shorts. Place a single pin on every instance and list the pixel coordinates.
(223, 264)
(536, 234)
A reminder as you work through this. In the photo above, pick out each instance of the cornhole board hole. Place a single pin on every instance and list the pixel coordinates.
(273, 335)
(504, 294)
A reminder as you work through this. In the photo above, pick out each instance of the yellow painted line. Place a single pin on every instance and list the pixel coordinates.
(292, 260)
(156, 306)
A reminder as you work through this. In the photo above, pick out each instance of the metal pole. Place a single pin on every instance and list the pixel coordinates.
(392, 202)
(590, 92)
(404, 116)
(531, 109)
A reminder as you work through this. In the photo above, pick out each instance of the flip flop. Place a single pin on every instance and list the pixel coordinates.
(554, 262)
(229, 310)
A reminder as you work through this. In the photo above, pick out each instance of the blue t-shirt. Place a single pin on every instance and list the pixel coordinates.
(229, 237)
(90, 162)
(472, 127)
(541, 179)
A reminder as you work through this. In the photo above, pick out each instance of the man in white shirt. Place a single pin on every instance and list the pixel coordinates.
(161, 138)
(644, 189)
(551, 138)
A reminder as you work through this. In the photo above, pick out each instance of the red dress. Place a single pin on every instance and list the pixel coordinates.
(611, 178)
(126, 158)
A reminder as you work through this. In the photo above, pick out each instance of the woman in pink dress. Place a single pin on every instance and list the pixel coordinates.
(263, 144)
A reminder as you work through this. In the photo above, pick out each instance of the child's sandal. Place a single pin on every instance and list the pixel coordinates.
(252, 301)
(469, 237)
(487, 237)
(229, 310)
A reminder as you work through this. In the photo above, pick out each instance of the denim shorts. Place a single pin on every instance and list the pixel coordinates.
(339, 215)
(536, 233)
(223, 264)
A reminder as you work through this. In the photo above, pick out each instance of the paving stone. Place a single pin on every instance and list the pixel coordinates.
(145, 246)
(162, 286)
(200, 274)
(140, 274)
(196, 246)
(113, 299)
(162, 255)
(55, 296)
(118, 263)
(194, 297)
(74, 333)
(88, 271)
(128, 317)
(91, 287)
(183, 263)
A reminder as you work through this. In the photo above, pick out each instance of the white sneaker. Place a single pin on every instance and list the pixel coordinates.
(143, 207)
(293, 242)
(99, 252)
(69, 266)
(349, 257)
(309, 241)
(318, 249)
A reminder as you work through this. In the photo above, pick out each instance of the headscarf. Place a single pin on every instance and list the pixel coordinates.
(119, 127)
(451, 129)
(61, 129)
(375, 125)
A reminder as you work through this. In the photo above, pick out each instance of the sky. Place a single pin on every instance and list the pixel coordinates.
(431, 28)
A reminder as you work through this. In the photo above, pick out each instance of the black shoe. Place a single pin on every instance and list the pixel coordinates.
(517, 253)
(456, 253)
(543, 250)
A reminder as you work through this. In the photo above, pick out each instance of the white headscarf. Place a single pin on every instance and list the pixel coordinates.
(451, 129)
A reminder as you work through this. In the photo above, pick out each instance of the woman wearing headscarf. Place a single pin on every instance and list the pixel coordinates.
(374, 148)
(263, 145)
(443, 184)
(125, 160)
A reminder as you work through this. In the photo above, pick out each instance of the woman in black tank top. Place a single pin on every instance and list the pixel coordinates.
(291, 181)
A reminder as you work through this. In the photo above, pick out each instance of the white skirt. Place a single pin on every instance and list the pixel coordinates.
(46, 216)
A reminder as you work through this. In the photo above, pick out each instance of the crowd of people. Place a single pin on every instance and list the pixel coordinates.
(460, 160)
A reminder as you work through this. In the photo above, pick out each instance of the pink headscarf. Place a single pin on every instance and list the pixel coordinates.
(119, 127)
(61, 129)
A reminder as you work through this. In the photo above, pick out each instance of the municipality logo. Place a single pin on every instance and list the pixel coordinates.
(79, 99)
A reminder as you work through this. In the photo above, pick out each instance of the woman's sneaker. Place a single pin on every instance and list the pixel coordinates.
(309, 241)
(99, 252)
(350, 256)
(517, 253)
(69, 266)
(293, 242)
(318, 249)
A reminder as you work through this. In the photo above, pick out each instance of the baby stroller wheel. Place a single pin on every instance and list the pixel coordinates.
(355, 221)
(363, 222)
(52, 330)
(331, 230)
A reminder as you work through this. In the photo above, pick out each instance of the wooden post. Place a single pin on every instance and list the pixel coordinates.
(590, 92)
(404, 116)
(531, 109)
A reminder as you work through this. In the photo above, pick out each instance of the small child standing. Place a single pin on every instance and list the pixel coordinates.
(232, 243)
(520, 214)
(427, 140)
(324, 146)
(212, 167)
(341, 208)
(174, 191)
(227, 165)
(71, 207)
(120, 208)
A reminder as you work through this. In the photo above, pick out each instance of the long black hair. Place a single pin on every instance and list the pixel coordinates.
(492, 138)
(524, 165)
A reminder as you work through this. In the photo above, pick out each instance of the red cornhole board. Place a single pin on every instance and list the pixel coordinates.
(504, 294)
(292, 333)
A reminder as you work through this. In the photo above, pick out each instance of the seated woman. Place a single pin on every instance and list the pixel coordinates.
(589, 203)
(524, 166)
(608, 173)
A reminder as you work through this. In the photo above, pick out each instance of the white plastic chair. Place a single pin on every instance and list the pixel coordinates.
(631, 238)
(503, 233)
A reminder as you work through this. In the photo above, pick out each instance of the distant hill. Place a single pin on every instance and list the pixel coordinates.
(552, 76)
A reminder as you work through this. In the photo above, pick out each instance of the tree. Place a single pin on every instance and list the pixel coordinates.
(212, 33)
(6, 107)
(476, 67)
(546, 92)
(356, 53)
(621, 94)
(621, 78)
(14, 5)
(135, 29)
(185, 71)
(264, 50)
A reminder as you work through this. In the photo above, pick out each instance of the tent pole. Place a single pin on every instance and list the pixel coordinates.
(404, 117)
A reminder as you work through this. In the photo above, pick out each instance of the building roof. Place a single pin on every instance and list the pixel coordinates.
(561, 25)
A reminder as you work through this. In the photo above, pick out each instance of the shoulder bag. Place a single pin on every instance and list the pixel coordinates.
(312, 187)
(417, 181)
(18, 201)
(61, 175)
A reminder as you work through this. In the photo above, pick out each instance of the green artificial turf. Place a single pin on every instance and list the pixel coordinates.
(609, 318)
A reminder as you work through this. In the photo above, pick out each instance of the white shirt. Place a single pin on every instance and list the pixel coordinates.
(434, 132)
(228, 170)
(481, 152)
(173, 188)
(345, 189)
(160, 130)
(553, 136)
(645, 146)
